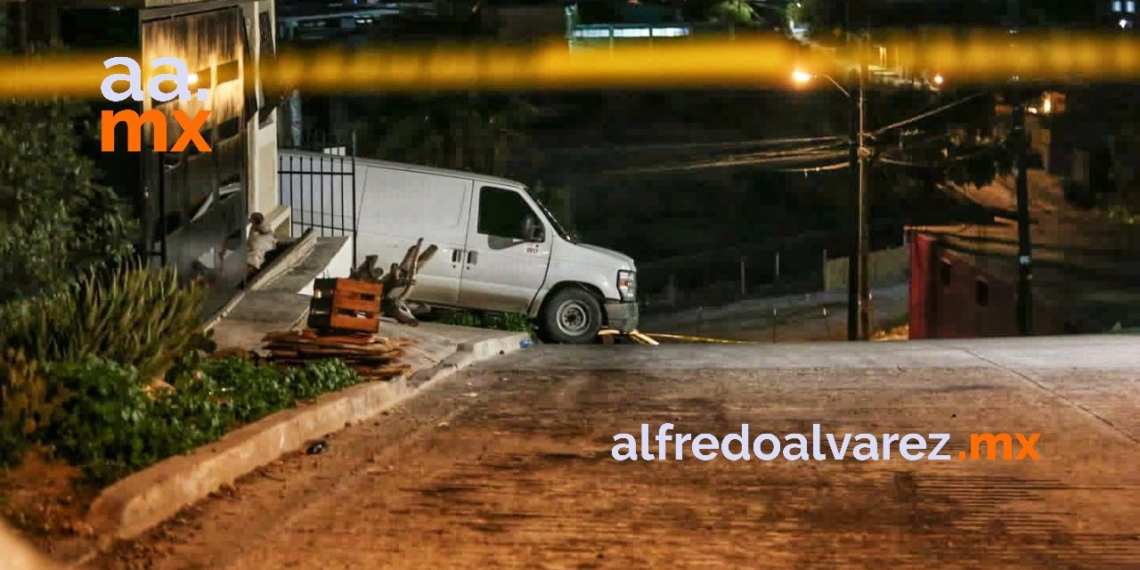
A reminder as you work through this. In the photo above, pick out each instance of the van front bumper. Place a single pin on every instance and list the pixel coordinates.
(621, 315)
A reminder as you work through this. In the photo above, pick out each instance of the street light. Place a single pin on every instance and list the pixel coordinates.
(803, 78)
(858, 297)
(938, 79)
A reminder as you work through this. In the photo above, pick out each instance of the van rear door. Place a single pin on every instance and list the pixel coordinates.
(503, 268)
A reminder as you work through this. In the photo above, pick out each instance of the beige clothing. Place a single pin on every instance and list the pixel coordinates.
(261, 242)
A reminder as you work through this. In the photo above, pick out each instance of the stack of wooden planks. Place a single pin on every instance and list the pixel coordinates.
(373, 357)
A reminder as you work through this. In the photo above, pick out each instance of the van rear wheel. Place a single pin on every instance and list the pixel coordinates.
(572, 316)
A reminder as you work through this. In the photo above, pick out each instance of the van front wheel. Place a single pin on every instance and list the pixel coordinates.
(572, 316)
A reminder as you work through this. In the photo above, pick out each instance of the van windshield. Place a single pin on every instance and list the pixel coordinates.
(550, 217)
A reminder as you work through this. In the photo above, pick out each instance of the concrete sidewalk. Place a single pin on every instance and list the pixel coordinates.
(262, 312)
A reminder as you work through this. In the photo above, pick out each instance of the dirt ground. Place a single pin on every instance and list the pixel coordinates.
(46, 501)
(512, 468)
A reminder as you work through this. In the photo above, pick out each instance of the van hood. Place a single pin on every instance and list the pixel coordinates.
(609, 254)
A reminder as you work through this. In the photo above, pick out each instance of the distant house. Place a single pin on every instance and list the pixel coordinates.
(593, 24)
(1120, 14)
(1090, 138)
(964, 284)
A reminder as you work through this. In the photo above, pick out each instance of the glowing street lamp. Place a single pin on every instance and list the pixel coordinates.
(800, 77)
(938, 79)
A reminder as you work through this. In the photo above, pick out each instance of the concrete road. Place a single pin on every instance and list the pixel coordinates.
(510, 466)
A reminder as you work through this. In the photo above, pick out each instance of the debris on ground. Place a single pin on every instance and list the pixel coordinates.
(373, 357)
(399, 282)
(317, 447)
(609, 336)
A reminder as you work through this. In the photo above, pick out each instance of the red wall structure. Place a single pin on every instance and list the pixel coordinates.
(951, 297)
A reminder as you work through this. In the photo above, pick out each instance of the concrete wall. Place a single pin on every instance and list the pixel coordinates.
(264, 196)
(964, 300)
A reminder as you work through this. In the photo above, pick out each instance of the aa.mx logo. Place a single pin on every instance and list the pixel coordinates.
(181, 80)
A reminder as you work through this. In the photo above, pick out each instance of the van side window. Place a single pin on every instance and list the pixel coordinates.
(502, 213)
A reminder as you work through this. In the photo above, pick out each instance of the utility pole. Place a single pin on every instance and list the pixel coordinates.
(858, 316)
(864, 205)
(1021, 148)
(1024, 253)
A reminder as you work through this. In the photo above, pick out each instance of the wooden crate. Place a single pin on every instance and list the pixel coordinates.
(345, 305)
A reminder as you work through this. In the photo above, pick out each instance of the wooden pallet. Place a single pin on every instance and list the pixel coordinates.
(345, 305)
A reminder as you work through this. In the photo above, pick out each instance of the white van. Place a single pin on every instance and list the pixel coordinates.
(499, 248)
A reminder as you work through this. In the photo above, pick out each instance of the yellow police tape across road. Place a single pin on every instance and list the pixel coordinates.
(651, 338)
(697, 339)
(973, 58)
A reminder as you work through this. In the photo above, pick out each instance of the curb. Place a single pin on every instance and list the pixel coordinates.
(145, 499)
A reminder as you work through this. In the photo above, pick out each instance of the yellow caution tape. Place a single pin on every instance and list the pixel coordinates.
(700, 339)
(978, 58)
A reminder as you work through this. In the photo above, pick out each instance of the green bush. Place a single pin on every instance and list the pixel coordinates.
(517, 322)
(56, 221)
(131, 315)
(321, 377)
(250, 392)
(109, 420)
(28, 403)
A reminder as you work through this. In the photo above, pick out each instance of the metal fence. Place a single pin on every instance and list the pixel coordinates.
(725, 275)
(320, 188)
(790, 266)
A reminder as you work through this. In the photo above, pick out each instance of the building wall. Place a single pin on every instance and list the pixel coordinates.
(524, 23)
(203, 224)
(952, 296)
(264, 196)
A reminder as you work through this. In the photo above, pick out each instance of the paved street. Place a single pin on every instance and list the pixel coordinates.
(509, 466)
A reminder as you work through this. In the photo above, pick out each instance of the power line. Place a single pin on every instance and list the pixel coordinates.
(693, 146)
(828, 168)
(750, 161)
(934, 163)
(930, 113)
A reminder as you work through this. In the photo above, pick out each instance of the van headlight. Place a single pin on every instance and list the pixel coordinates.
(627, 285)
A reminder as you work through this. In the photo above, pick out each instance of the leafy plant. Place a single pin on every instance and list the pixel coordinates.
(105, 418)
(28, 403)
(251, 392)
(321, 377)
(518, 322)
(131, 315)
(56, 221)
(1123, 215)
(108, 418)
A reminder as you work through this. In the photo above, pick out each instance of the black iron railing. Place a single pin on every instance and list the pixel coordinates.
(320, 188)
